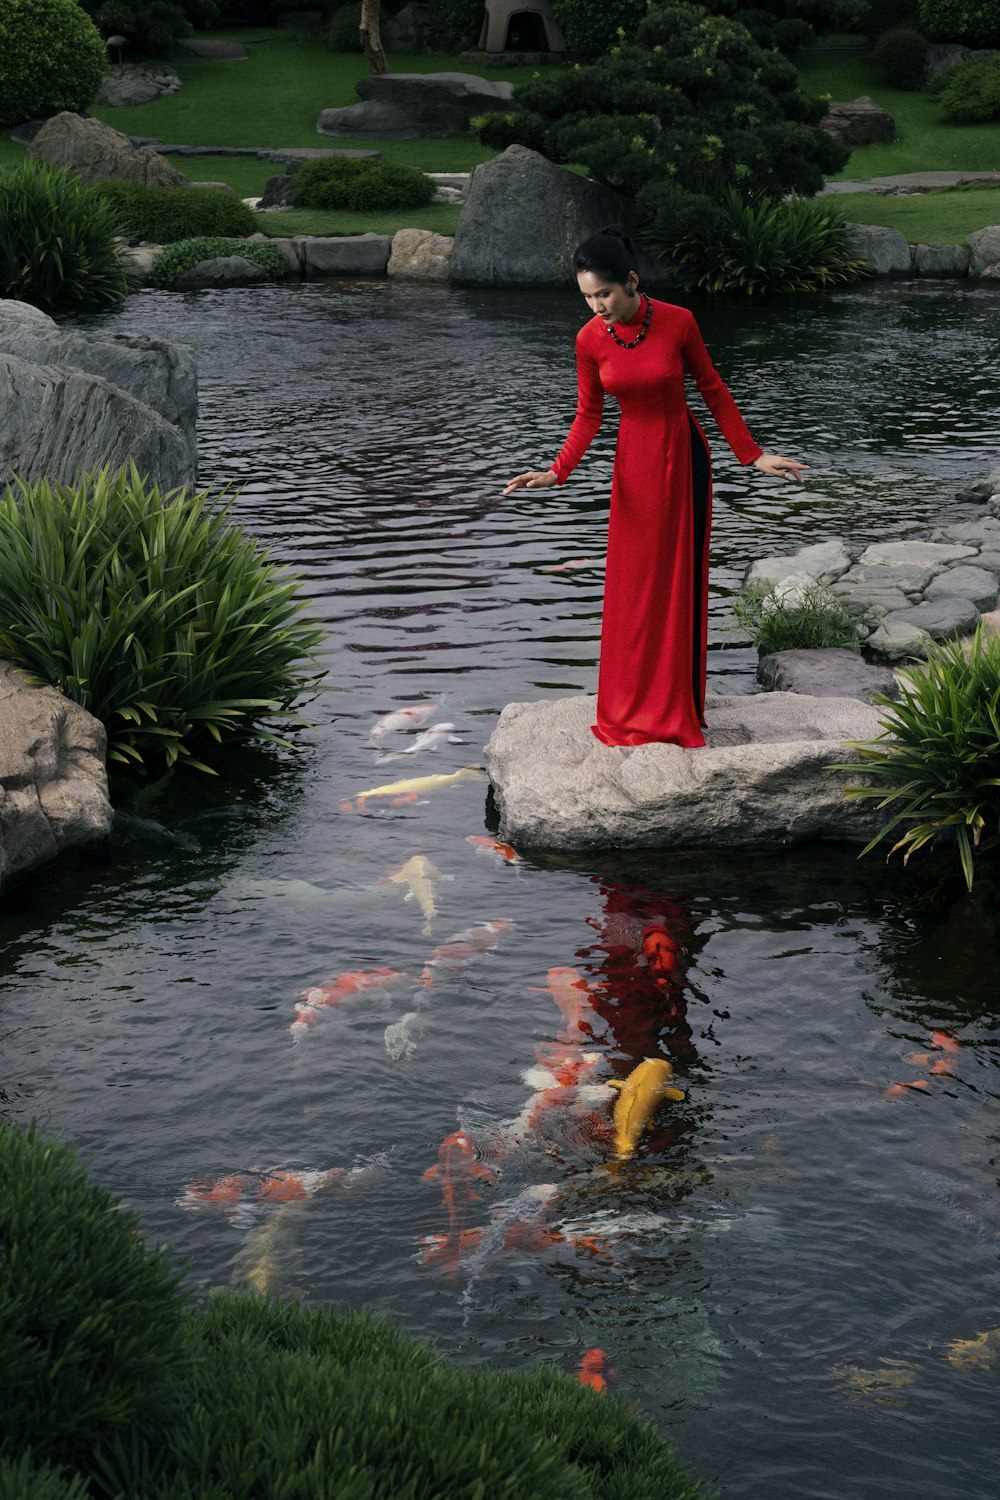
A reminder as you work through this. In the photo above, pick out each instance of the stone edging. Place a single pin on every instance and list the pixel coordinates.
(889, 253)
(409, 254)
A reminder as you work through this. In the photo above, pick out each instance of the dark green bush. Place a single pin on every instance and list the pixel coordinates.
(155, 612)
(21, 1479)
(245, 1398)
(900, 56)
(785, 245)
(465, 15)
(152, 26)
(341, 182)
(187, 253)
(342, 32)
(591, 27)
(880, 16)
(90, 1319)
(164, 215)
(691, 107)
(974, 23)
(58, 245)
(970, 93)
(51, 58)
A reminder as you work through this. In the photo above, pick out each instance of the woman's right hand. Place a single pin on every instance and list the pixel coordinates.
(535, 479)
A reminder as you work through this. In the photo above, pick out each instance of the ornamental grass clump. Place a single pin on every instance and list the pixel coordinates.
(938, 762)
(58, 242)
(758, 247)
(794, 615)
(152, 610)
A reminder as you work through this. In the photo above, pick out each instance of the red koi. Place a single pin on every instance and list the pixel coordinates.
(493, 846)
(573, 995)
(595, 1371)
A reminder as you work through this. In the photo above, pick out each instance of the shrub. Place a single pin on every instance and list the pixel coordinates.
(690, 107)
(58, 246)
(51, 58)
(164, 215)
(940, 752)
(90, 1335)
(900, 56)
(795, 245)
(592, 27)
(880, 16)
(342, 182)
(259, 1398)
(155, 612)
(797, 614)
(466, 16)
(343, 32)
(187, 253)
(152, 26)
(970, 92)
(975, 23)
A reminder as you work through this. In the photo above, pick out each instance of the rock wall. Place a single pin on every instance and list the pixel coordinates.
(72, 402)
(53, 783)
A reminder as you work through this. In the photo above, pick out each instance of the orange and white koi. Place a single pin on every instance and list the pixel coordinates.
(573, 995)
(327, 996)
(259, 1189)
(463, 947)
(400, 720)
(494, 846)
(458, 1170)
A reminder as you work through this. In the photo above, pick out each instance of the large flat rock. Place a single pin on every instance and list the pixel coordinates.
(53, 784)
(763, 777)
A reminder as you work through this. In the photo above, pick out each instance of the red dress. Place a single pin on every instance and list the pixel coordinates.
(651, 685)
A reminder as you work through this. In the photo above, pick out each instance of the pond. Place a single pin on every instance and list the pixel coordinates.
(796, 1275)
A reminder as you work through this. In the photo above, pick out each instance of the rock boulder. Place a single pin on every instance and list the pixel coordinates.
(524, 217)
(221, 270)
(828, 673)
(885, 250)
(764, 777)
(53, 784)
(403, 106)
(420, 255)
(96, 153)
(858, 122)
(984, 252)
(941, 260)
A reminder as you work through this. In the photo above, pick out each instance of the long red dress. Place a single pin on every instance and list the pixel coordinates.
(651, 684)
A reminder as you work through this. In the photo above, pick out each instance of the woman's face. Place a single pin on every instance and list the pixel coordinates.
(610, 300)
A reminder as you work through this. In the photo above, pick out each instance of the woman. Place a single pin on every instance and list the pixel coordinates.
(651, 685)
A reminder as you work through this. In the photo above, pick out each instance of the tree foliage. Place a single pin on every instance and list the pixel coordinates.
(593, 27)
(689, 108)
(51, 58)
(974, 23)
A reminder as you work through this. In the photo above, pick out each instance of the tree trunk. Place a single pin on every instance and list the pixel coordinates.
(371, 40)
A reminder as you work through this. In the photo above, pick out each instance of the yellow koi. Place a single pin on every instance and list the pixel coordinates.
(414, 785)
(420, 876)
(641, 1094)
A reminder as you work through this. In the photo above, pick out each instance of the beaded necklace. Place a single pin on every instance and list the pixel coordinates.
(622, 344)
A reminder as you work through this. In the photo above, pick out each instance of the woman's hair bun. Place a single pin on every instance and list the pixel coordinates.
(618, 232)
(609, 254)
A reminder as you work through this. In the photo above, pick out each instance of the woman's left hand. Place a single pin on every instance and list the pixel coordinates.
(781, 468)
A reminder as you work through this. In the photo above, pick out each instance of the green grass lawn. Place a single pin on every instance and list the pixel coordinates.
(925, 143)
(274, 98)
(441, 217)
(939, 218)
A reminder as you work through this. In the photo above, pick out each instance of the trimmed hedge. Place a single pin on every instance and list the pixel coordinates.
(187, 253)
(163, 215)
(51, 58)
(900, 56)
(254, 1398)
(342, 182)
(969, 94)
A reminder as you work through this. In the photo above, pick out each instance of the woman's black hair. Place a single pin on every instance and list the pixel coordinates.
(609, 254)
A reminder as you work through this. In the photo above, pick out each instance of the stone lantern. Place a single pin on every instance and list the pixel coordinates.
(520, 26)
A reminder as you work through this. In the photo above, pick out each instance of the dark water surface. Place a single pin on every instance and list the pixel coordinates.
(798, 1277)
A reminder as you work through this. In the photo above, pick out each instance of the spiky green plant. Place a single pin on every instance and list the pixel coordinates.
(800, 618)
(940, 752)
(760, 246)
(58, 245)
(152, 610)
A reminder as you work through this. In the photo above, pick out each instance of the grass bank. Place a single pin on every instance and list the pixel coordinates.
(939, 218)
(442, 218)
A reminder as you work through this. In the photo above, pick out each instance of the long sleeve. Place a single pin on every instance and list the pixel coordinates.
(589, 414)
(716, 395)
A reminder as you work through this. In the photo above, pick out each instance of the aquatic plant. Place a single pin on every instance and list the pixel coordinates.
(761, 246)
(187, 253)
(796, 614)
(58, 245)
(262, 1398)
(152, 610)
(940, 752)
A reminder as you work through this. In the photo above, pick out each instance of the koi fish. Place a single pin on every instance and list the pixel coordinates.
(946, 1041)
(641, 1093)
(518, 1223)
(899, 1090)
(977, 1353)
(428, 739)
(465, 946)
(415, 785)
(559, 1081)
(250, 1190)
(327, 996)
(663, 954)
(400, 720)
(420, 877)
(458, 1170)
(572, 994)
(595, 1371)
(493, 846)
(566, 567)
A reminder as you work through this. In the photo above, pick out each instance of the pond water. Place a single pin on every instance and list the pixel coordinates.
(796, 1276)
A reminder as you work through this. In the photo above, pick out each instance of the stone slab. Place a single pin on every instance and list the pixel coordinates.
(907, 578)
(931, 555)
(940, 618)
(885, 250)
(53, 783)
(940, 260)
(343, 255)
(968, 582)
(824, 561)
(763, 777)
(895, 639)
(831, 672)
(865, 599)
